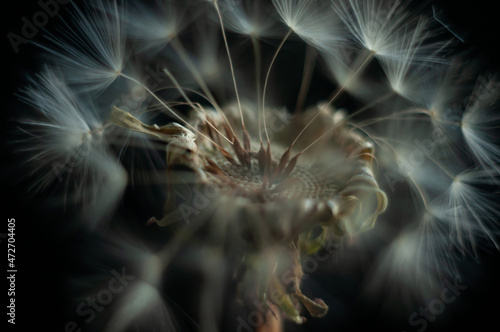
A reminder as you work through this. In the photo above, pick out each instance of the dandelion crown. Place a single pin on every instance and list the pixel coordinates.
(195, 90)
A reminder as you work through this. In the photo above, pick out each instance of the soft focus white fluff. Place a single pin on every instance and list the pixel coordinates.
(90, 48)
(311, 20)
(67, 144)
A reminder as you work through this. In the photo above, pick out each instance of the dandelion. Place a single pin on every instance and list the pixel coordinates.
(392, 162)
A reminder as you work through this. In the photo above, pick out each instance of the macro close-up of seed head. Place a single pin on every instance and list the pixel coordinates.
(239, 165)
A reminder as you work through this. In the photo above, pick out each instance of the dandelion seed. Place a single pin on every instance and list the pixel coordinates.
(312, 21)
(471, 212)
(376, 25)
(479, 123)
(91, 52)
(69, 145)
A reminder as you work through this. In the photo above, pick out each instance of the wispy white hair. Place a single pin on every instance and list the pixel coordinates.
(253, 18)
(153, 28)
(67, 144)
(480, 123)
(383, 27)
(91, 49)
(313, 21)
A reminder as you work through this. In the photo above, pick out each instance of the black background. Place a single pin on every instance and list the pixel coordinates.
(48, 256)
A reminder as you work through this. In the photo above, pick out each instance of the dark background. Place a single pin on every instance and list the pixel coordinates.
(48, 250)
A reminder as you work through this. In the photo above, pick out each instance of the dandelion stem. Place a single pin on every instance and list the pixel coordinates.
(420, 191)
(265, 82)
(177, 116)
(181, 51)
(258, 72)
(337, 93)
(395, 116)
(181, 90)
(216, 5)
(344, 120)
(441, 167)
(370, 105)
(437, 163)
(311, 56)
(358, 70)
